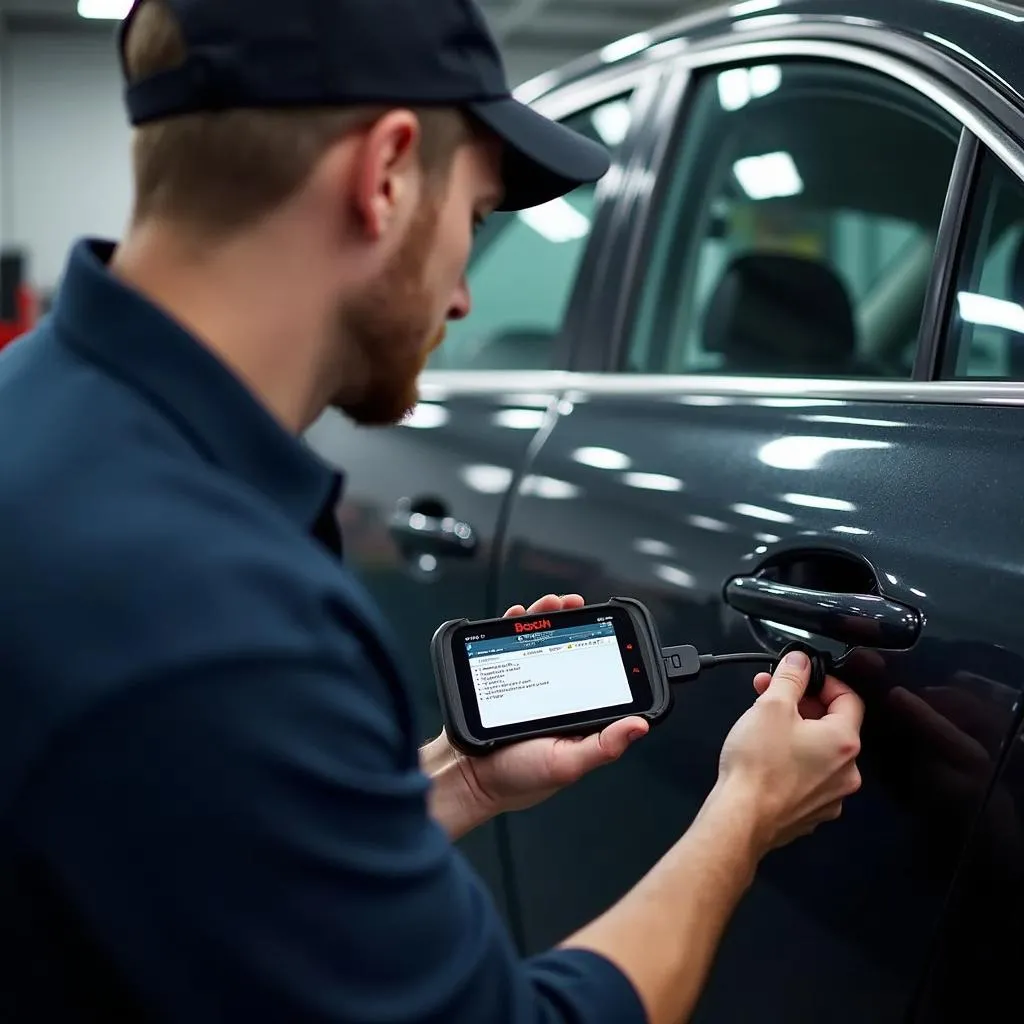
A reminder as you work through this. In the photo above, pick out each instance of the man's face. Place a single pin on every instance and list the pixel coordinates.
(396, 323)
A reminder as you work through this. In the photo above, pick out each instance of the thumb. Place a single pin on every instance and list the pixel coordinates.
(791, 678)
(575, 758)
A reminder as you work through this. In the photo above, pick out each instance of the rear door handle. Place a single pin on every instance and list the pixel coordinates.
(858, 620)
(443, 536)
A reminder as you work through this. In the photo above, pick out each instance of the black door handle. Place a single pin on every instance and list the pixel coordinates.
(443, 536)
(858, 620)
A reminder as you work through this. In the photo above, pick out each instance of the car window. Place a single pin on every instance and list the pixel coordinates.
(523, 268)
(986, 324)
(797, 227)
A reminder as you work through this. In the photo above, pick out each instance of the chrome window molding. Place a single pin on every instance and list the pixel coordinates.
(571, 99)
(900, 69)
(437, 385)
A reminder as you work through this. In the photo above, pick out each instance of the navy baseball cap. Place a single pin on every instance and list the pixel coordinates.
(252, 54)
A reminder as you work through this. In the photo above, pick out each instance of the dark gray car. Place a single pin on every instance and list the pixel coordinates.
(781, 344)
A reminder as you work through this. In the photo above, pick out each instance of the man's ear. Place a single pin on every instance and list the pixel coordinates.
(386, 179)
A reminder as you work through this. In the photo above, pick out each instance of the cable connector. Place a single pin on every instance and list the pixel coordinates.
(681, 662)
(684, 663)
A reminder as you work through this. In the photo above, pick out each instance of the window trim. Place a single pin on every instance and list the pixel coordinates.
(439, 385)
(949, 248)
(692, 64)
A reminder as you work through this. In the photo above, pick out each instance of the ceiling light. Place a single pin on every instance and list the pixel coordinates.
(623, 48)
(794, 403)
(558, 221)
(602, 458)
(548, 487)
(104, 10)
(764, 79)
(792, 630)
(656, 548)
(752, 7)
(853, 421)
(706, 401)
(769, 176)
(816, 501)
(652, 482)
(676, 576)
(426, 416)
(733, 88)
(808, 452)
(707, 523)
(738, 86)
(520, 419)
(757, 512)
(612, 122)
(984, 311)
(487, 479)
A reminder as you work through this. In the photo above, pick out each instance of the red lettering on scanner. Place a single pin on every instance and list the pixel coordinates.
(532, 627)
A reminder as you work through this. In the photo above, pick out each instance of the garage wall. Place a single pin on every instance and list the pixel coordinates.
(64, 141)
(64, 145)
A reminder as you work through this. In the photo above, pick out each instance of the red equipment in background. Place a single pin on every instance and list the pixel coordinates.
(19, 305)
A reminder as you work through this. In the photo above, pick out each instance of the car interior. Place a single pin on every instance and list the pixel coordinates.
(749, 280)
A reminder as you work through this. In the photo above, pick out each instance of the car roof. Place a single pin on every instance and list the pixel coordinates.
(985, 37)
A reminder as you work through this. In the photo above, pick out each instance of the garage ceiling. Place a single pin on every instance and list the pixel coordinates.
(561, 28)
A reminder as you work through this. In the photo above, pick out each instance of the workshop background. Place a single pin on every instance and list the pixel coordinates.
(64, 168)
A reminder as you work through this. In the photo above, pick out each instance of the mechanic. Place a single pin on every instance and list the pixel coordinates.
(214, 807)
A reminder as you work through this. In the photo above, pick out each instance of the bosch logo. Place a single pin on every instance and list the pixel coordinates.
(533, 627)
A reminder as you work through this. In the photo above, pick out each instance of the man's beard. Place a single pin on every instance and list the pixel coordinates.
(390, 333)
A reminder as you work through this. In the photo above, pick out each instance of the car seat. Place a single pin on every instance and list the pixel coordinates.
(781, 315)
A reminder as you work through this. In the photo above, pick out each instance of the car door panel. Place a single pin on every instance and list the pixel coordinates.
(676, 493)
(454, 464)
(974, 974)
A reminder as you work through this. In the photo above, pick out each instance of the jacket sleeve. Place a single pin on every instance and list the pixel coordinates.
(245, 845)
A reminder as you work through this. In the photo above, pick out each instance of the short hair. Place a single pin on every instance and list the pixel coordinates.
(225, 171)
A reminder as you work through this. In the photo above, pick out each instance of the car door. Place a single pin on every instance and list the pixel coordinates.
(423, 501)
(974, 969)
(768, 417)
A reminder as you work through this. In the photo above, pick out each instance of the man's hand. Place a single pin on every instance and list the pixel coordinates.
(792, 758)
(786, 766)
(471, 790)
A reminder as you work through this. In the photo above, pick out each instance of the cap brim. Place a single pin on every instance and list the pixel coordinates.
(543, 159)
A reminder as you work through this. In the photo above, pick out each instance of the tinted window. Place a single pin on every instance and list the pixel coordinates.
(523, 269)
(798, 226)
(986, 327)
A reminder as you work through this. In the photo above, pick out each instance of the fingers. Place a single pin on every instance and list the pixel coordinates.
(790, 681)
(835, 698)
(554, 603)
(574, 758)
(842, 703)
(549, 603)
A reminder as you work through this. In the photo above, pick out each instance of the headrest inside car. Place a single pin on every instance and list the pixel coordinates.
(783, 315)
